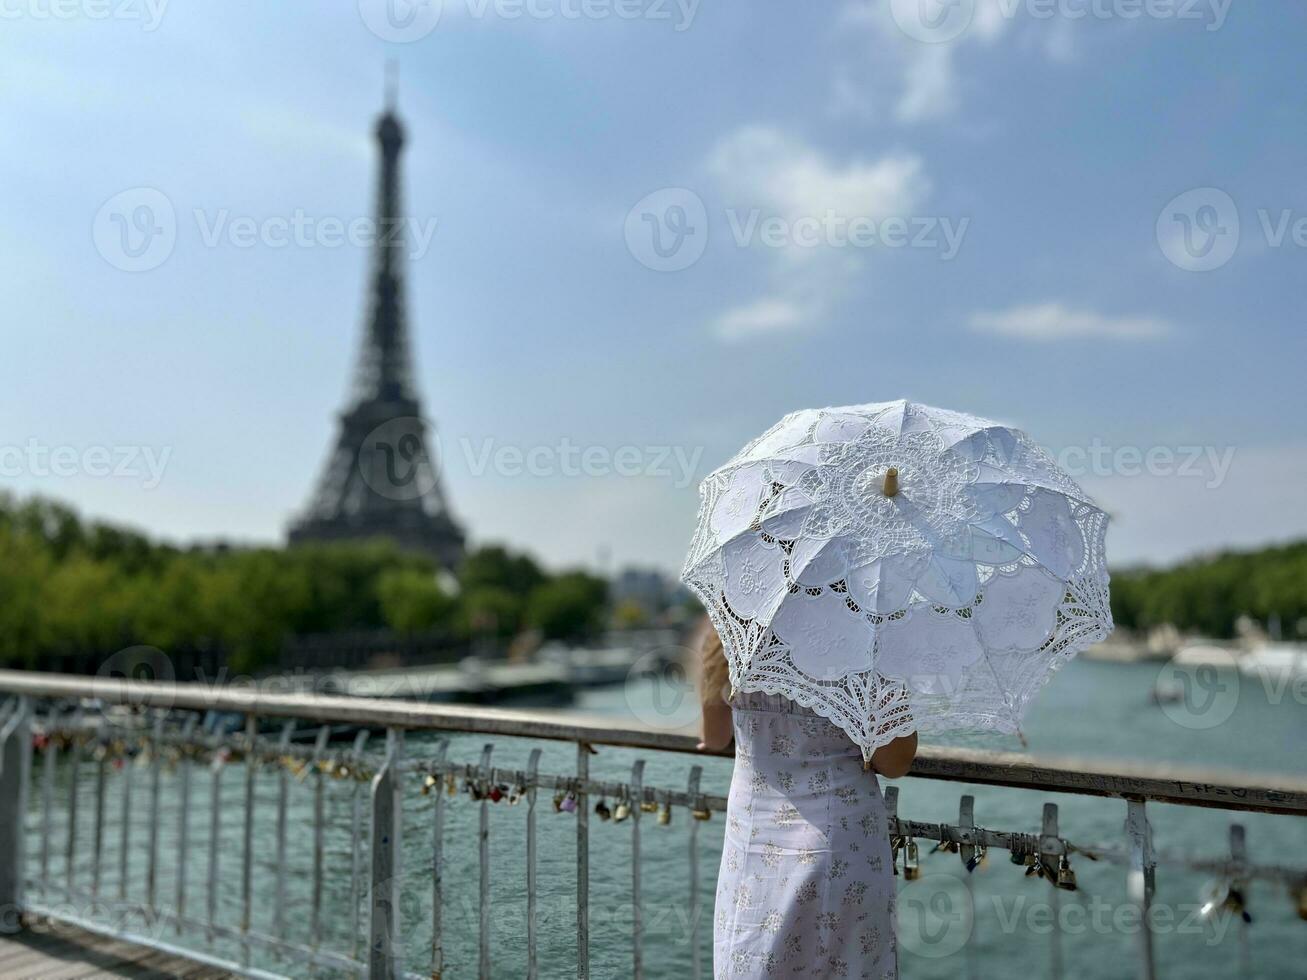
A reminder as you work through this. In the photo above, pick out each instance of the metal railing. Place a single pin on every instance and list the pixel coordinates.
(123, 731)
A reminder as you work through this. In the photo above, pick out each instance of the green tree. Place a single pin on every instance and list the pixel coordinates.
(413, 600)
(25, 564)
(496, 567)
(571, 606)
(489, 610)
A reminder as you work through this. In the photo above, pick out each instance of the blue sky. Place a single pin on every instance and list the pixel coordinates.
(1053, 148)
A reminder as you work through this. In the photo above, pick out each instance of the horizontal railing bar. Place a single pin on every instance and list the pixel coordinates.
(1162, 783)
(1000, 839)
(1183, 786)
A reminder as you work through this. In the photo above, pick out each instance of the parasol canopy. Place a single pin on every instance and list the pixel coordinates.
(896, 567)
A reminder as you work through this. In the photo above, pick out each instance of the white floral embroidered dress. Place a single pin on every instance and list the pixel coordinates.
(806, 885)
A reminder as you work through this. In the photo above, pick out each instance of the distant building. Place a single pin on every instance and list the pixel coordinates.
(381, 480)
(648, 588)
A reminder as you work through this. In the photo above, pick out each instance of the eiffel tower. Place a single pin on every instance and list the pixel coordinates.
(381, 480)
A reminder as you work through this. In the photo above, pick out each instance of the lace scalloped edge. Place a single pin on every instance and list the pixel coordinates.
(962, 721)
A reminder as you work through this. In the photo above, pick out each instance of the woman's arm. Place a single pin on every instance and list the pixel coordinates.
(894, 760)
(714, 689)
(717, 731)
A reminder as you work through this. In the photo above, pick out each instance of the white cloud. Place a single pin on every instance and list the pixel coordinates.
(766, 316)
(1054, 321)
(915, 80)
(763, 167)
(767, 176)
(929, 84)
(918, 79)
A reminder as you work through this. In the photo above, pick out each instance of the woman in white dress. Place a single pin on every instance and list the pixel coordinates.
(806, 887)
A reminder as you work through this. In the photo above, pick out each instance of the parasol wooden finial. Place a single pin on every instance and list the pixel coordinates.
(891, 481)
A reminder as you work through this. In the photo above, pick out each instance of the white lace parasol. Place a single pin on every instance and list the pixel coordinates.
(940, 600)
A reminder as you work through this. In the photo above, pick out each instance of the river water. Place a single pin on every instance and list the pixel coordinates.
(995, 924)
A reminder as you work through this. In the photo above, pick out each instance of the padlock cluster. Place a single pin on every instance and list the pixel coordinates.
(477, 789)
(335, 767)
(117, 751)
(566, 798)
(905, 852)
(1062, 876)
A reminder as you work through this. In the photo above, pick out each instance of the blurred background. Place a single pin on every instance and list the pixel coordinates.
(637, 235)
(380, 347)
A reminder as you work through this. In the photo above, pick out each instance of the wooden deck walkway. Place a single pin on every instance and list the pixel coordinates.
(69, 954)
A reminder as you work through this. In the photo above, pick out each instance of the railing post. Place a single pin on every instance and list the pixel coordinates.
(1238, 861)
(692, 790)
(637, 914)
(1047, 843)
(483, 852)
(247, 835)
(387, 817)
(75, 767)
(583, 751)
(48, 752)
(355, 839)
(319, 838)
(183, 821)
(967, 822)
(1139, 881)
(156, 770)
(101, 774)
(283, 798)
(15, 765)
(124, 833)
(437, 863)
(215, 842)
(532, 862)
